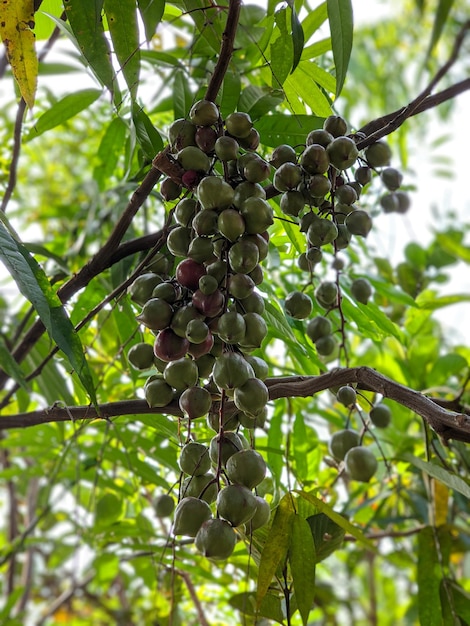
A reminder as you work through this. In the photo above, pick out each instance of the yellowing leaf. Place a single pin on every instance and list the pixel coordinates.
(16, 26)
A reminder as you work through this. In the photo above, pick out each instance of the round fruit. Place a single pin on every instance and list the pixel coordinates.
(389, 202)
(214, 193)
(182, 317)
(208, 305)
(188, 273)
(346, 395)
(251, 397)
(196, 331)
(203, 487)
(262, 514)
(156, 314)
(142, 287)
(254, 303)
(194, 459)
(181, 134)
(358, 222)
(335, 125)
(238, 124)
(158, 393)
(181, 373)
(258, 215)
(361, 464)
(363, 175)
(164, 505)
(190, 514)
(170, 190)
(197, 350)
(319, 136)
(315, 159)
(229, 422)
(205, 140)
(226, 148)
(240, 286)
(201, 250)
(346, 194)
(259, 365)
(168, 346)
(298, 305)
(251, 422)
(321, 232)
(231, 327)
(216, 539)
(141, 356)
(342, 152)
(378, 154)
(178, 241)
(256, 170)
(391, 178)
(292, 202)
(283, 154)
(255, 331)
(236, 504)
(326, 294)
(222, 447)
(287, 177)
(195, 401)
(243, 256)
(204, 113)
(341, 442)
(380, 415)
(193, 158)
(318, 327)
(205, 222)
(246, 467)
(404, 201)
(231, 370)
(208, 284)
(231, 224)
(326, 345)
(361, 290)
(246, 190)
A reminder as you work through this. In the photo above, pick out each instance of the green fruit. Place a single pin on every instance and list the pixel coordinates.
(298, 305)
(342, 152)
(216, 539)
(201, 249)
(318, 327)
(315, 159)
(142, 287)
(259, 365)
(283, 154)
(321, 232)
(195, 401)
(358, 223)
(229, 422)
(192, 158)
(182, 317)
(164, 505)
(251, 397)
(335, 125)
(391, 178)
(326, 345)
(204, 113)
(327, 294)
(314, 255)
(243, 256)
(363, 175)
(141, 356)
(292, 202)
(404, 201)
(203, 487)
(255, 331)
(190, 514)
(205, 222)
(346, 194)
(240, 286)
(389, 202)
(166, 291)
(231, 370)
(344, 237)
(287, 177)
(246, 467)
(253, 421)
(378, 154)
(260, 241)
(181, 373)
(319, 136)
(196, 331)
(226, 148)
(231, 327)
(346, 395)
(156, 314)
(361, 290)
(194, 459)
(258, 215)
(181, 134)
(262, 514)
(238, 124)
(236, 504)
(254, 303)
(361, 464)
(341, 442)
(246, 190)
(318, 186)
(158, 393)
(256, 170)
(178, 241)
(231, 224)
(222, 447)
(380, 415)
(214, 193)
(205, 363)
(208, 284)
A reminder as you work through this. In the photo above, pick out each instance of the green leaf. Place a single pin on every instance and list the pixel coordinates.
(446, 366)
(339, 520)
(319, 75)
(276, 546)
(84, 17)
(327, 535)
(147, 135)
(108, 509)
(314, 20)
(298, 38)
(305, 87)
(122, 22)
(63, 110)
(429, 301)
(281, 54)
(270, 607)
(274, 452)
(340, 17)
(34, 285)
(440, 19)
(291, 129)
(182, 96)
(10, 366)
(302, 564)
(109, 151)
(429, 574)
(391, 292)
(230, 92)
(258, 101)
(151, 12)
(436, 471)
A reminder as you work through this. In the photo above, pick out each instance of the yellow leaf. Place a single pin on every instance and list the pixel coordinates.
(440, 494)
(16, 24)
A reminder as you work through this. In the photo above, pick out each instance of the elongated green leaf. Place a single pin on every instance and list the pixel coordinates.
(339, 520)
(109, 151)
(281, 56)
(151, 12)
(319, 75)
(427, 300)
(210, 23)
(182, 96)
(147, 135)
(306, 88)
(34, 285)
(63, 110)
(275, 436)
(316, 49)
(276, 546)
(314, 20)
(302, 565)
(298, 38)
(327, 535)
(393, 293)
(122, 22)
(440, 19)
(230, 92)
(10, 366)
(436, 471)
(340, 17)
(84, 17)
(429, 576)
(270, 607)
(258, 101)
(291, 129)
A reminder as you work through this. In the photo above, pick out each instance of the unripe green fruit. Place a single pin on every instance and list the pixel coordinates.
(208, 284)
(229, 422)
(205, 222)
(164, 505)
(196, 331)
(326, 294)
(358, 222)
(321, 232)
(195, 402)
(158, 393)
(252, 141)
(256, 170)
(391, 178)
(389, 202)
(231, 327)
(253, 421)
(318, 327)
(181, 373)
(194, 459)
(142, 287)
(361, 290)
(156, 314)
(238, 124)
(203, 487)
(404, 201)
(204, 113)
(240, 286)
(201, 249)
(254, 303)
(259, 365)
(246, 467)
(315, 159)
(292, 202)
(378, 154)
(231, 224)
(231, 370)
(344, 237)
(262, 514)
(190, 514)
(226, 148)
(380, 415)
(346, 395)
(181, 134)
(361, 464)
(314, 255)
(205, 363)
(341, 442)
(246, 190)
(257, 274)
(283, 154)
(214, 193)
(342, 152)
(182, 317)
(318, 186)
(243, 257)
(335, 125)
(363, 175)
(166, 291)
(224, 446)
(192, 158)
(178, 241)
(236, 504)
(287, 177)
(258, 215)
(346, 194)
(326, 345)
(141, 356)
(251, 397)
(319, 136)
(216, 539)
(338, 263)
(255, 332)
(298, 305)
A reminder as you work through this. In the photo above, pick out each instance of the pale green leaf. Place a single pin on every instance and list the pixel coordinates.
(302, 564)
(340, 16)
(440, 473)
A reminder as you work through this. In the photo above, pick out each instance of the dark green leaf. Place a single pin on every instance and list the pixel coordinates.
(291, 129)
(429, 576)
(63, 110)
(122, 22)
(340, 17)
(298, 38)
(147, 135)
(182, 96)
(327, 535)
(270, 607)
(230, 92)
(151, 12)
(302, 564)
(258, 101)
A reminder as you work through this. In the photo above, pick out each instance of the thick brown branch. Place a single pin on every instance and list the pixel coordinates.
(447, 424)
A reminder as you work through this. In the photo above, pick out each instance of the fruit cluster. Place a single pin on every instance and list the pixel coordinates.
(200, 301)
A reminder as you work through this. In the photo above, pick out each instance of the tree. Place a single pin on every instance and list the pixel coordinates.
(196, 314)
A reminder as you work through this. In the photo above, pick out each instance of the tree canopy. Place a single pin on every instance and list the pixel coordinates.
(222, 400)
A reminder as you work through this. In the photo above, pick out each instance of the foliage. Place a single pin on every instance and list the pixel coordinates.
(83, 215)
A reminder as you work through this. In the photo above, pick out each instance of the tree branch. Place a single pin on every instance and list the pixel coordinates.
(447, 424)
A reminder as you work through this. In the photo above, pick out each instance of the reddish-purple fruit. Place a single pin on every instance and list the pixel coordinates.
(169, 346)
(209, 305)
